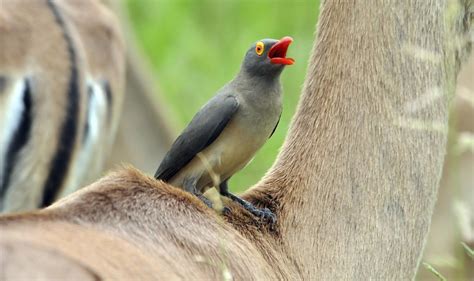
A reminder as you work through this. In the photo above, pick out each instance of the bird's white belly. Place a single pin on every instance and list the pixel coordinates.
(229, 153)
(234, 148)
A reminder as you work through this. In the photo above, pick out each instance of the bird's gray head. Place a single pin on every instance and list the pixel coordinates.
(267, 57)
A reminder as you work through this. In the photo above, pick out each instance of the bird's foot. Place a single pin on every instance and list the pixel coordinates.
(225, 210)
(204, 199)
(264, 214)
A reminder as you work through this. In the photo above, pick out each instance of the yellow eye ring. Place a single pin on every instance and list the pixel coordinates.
(259, 48)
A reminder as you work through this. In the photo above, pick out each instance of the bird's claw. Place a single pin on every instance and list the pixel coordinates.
(226, 211)
(204, 200)
(265, 215)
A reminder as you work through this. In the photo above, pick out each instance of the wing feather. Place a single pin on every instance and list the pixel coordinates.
(203, 129)
(276, 125)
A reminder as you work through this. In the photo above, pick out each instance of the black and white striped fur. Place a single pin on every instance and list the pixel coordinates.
(61, 90)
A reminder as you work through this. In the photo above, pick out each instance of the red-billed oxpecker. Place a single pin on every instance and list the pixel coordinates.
(229, 129)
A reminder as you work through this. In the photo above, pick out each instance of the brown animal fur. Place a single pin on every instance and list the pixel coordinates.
(33, 46)
(123, 216)
(353, 187)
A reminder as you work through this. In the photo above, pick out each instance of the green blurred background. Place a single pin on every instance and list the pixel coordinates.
(195, 47)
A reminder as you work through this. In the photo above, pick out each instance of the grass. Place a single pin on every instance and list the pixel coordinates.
(195, 47)
(434, 271)
(469, 251)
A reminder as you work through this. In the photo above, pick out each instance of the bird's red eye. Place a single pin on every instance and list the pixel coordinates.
(259, 48)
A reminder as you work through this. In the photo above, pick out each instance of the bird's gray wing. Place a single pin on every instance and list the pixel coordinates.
(203, 129)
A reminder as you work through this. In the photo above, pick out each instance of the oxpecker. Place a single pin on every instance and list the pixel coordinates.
(229, 129)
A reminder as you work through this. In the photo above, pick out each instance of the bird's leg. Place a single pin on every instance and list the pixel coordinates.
(204, 199)
(264, 213)
(189, 185)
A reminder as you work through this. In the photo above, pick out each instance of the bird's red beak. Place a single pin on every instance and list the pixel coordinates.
(277, 53)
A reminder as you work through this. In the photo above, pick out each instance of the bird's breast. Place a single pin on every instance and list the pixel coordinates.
(240, 141)
(244, 135)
